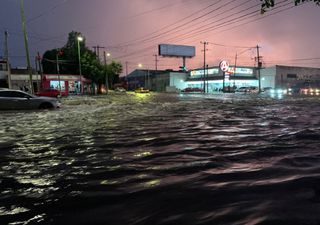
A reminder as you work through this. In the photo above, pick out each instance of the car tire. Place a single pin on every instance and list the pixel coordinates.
(46, 105)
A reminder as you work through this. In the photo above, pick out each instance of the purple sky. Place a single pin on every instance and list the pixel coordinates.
(132, 29)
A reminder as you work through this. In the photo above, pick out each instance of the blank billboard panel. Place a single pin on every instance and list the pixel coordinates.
(177, 50)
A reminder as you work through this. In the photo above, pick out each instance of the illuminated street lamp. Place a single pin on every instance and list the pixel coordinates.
(146, 76)
(105, 55)
(79, 39)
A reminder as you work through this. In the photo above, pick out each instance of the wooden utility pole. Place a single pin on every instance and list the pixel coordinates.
(259, 67)
(6, 55)
(40, 70)
(235, 69)
(126, 68)
(58, 68)
(97, 50)
(204, 64)
(156, 61)
(23, 18)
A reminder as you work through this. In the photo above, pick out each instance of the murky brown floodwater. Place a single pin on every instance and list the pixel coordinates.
(163, 159)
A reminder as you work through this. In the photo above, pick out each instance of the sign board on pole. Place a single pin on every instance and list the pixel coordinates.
(224, 66)
(167, 50)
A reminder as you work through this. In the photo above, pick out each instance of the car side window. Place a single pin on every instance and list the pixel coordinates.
(14, 94)
(5, 94)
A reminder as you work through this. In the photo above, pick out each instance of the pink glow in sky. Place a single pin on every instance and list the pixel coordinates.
(131, 30)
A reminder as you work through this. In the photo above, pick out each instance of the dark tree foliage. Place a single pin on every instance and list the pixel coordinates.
(68, 58)
(266, 4)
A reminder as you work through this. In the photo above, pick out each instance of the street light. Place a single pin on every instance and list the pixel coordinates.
(79, 39)
(146, 82)
(105, 55)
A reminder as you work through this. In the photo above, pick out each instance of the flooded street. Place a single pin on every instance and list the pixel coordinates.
(163, 159)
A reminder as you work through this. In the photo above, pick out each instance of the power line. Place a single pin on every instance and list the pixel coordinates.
(152, 36)
(238, 19)
(45, 13)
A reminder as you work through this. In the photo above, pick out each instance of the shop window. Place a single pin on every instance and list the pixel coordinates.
(291, 76)
(55, 85)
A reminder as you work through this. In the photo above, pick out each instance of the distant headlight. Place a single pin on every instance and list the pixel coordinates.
(279, 91)
(272, 91)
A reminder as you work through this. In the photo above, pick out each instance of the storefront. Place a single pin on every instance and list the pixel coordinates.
(213, 80)
(69, 84)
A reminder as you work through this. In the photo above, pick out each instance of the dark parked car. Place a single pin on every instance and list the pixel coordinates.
(15, 99)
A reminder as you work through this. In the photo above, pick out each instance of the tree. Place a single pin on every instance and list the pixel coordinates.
(112, 71)
(266, 4)
(91, 66)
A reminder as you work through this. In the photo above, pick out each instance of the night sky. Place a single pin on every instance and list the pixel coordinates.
(131, 30)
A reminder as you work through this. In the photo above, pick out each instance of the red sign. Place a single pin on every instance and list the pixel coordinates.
(224, 66)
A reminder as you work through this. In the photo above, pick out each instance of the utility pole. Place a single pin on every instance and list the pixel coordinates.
(205, 43)
(156, 61)
(126, 68)
(234, 72)
(23, 18)
(207, 78)
(58, 68)
(259, 67)
(97, 50)
(40, 69)
(105, 64)
(6, 55)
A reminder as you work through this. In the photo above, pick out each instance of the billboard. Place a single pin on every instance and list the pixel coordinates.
(177, 50)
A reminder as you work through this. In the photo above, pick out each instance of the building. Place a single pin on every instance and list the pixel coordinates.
(3, 73)
(212, 79)
(272, 77)
(20, 79)
(157, 80)
(284, 77)
(70, 84)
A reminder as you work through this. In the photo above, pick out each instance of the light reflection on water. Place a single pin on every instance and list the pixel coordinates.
(162, 159)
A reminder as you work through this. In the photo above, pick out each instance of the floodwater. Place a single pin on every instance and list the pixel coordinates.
(163, 159)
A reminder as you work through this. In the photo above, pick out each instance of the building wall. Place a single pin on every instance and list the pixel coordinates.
(178, 81)
(160, 82)
(268, 76)
(274, 77)
(289, 76)
(20, 81)
(3, 74)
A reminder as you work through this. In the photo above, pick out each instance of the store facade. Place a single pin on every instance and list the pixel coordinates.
(69, 84)
(213, 79)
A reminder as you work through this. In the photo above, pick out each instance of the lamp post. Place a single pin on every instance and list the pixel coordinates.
(79, 39)
(105, 55)
(26, 45)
